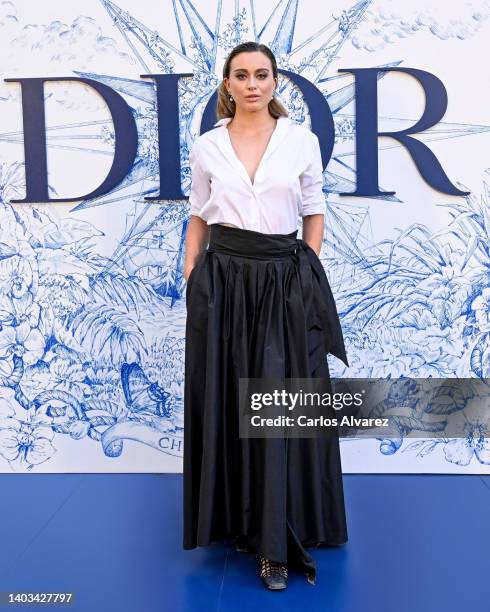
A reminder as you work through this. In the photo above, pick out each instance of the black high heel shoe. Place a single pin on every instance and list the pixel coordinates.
(274, 574)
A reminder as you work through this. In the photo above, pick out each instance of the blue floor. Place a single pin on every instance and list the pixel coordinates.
(417, 543)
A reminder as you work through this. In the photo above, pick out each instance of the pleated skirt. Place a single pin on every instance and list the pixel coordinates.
(258, 305)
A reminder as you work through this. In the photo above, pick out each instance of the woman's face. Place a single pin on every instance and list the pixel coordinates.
(251, 75)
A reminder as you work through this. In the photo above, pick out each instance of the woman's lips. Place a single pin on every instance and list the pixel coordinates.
(252, 97)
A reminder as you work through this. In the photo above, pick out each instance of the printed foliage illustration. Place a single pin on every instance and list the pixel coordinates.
(92, 344)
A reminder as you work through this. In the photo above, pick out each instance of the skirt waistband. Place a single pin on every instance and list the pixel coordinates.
(249, 243)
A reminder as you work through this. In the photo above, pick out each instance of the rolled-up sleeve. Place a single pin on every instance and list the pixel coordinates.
(200, 186)
(311, 180)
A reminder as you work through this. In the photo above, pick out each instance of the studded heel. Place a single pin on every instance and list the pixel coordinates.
(274, 574)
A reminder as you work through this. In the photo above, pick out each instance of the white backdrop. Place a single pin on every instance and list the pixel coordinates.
(92, 306)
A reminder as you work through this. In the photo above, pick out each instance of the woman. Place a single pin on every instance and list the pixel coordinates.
(258, 305)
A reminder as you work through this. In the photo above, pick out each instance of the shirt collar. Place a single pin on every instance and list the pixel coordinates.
(225, 120)
(223, 141)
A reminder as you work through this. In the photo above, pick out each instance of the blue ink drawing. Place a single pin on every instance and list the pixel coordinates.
(91, 345)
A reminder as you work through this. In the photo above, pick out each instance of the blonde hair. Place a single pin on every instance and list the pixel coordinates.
(225, 107)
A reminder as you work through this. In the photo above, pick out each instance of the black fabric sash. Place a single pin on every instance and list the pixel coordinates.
(248, 243)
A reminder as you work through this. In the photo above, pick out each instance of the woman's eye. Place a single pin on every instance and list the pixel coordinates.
(262, 76)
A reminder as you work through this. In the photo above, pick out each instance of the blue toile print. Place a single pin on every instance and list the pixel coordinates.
(91, 331)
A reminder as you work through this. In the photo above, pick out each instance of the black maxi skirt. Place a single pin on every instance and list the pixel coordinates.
(258, 305)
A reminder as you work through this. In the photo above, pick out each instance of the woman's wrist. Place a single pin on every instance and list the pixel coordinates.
(189, 265)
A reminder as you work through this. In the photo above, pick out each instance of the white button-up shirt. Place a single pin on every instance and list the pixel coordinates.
(287, 184)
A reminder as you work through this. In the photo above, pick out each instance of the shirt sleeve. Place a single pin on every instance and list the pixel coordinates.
(200, 187)
(311, 181)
